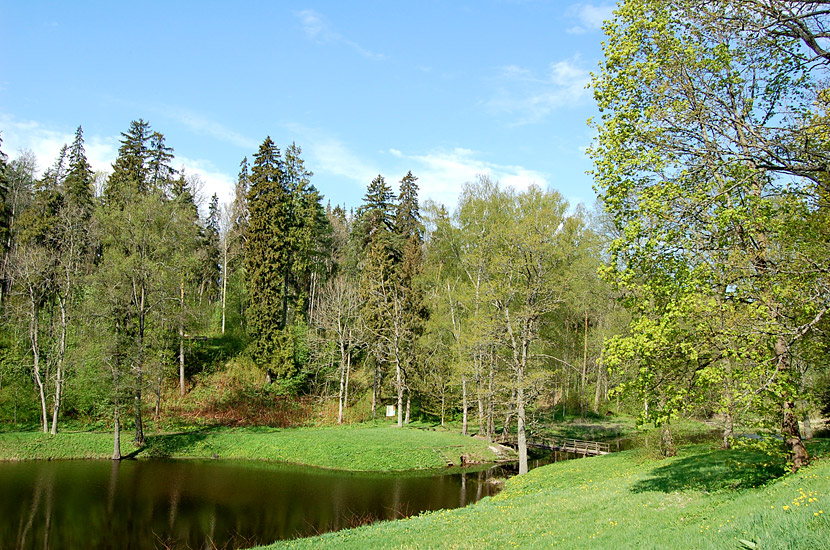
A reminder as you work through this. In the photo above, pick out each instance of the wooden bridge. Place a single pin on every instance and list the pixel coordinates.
(576, 446)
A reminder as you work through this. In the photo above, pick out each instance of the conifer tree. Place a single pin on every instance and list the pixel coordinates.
(130, 170)
(79, 179)
(309, 232)
(267, 257)
(158, 162)
(377, 213)
(413, 312)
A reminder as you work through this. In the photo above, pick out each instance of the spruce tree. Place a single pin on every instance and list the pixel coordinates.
(309, 233)
(130, 170)
(79, 180)
(267, 257)
(159, 156)
(377, 213)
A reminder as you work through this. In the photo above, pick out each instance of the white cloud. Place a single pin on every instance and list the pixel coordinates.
(530, 98)
(199, 124)
(101, 152)
(46, 143)
(213, 180)
(319, 30)
(590, 16)
(442, 174)
(326, 154)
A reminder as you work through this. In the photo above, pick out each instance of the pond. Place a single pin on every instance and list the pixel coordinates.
(140, 504)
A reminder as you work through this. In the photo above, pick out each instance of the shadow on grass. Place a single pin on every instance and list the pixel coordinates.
(714, 471)
(819, 447)
(168, 445)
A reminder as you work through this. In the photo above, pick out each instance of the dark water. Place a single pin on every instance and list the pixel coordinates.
(70, 505)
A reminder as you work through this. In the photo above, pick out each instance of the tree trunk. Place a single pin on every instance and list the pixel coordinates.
(584, 365)
(346, 388)
(408, 406)
(224, 280)
(138, 440)
(399, 387)
(59, 375)
(667, 448)
(443, 406)
(479, 392)
(376, 386)
(34, 340)
(181, 338)
(598, 392)
(342, 382)
(728, 430)
(491, 423)
(789, 425)
(139, 422)
(521, 438)
(463, 405)
(116, 439)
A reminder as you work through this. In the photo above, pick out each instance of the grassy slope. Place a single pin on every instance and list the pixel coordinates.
(354, 448)
(700, 499)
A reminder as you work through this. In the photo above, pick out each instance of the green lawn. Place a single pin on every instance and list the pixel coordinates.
(354, 448)
(704, 498)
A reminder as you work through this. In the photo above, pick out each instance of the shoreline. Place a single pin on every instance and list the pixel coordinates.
(364, 449)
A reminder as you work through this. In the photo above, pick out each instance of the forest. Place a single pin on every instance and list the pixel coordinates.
(698, 285)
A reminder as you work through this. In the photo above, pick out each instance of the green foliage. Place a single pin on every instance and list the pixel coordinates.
(284, 246)
(716, 243)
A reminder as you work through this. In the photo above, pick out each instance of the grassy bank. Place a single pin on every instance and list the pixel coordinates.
(703, 498)
(354, 448)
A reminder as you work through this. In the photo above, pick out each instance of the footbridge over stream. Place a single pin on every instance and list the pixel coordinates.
(564, 445)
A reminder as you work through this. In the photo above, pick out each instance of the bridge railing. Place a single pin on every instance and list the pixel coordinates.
(571, 445)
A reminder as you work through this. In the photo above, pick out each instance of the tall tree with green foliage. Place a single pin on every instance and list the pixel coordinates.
(703, 162)
(267, 256)
(409, 232)
(375, 239)
(130, 171)
(147, 225)
(71, 241)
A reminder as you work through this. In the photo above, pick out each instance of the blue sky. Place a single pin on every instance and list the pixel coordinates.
(445, 89)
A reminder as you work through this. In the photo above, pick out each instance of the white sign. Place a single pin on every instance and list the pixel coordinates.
(390, 410)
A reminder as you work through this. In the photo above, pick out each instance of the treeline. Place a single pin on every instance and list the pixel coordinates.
(110, 280)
